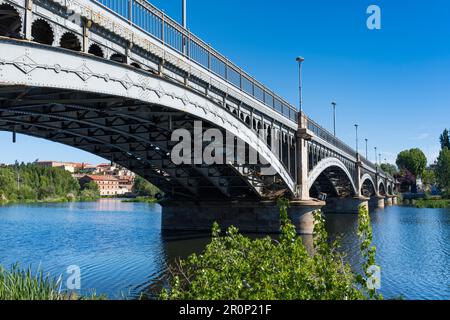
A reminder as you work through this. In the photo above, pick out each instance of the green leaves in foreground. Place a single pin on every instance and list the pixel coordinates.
(234, 266)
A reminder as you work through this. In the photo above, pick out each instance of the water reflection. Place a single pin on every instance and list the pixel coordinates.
(122, 251)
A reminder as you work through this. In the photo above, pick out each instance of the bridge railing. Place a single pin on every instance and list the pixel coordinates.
(159, 26)
(324, 134)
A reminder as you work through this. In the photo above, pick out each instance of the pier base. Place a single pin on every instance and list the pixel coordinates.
(253, 217)
(395, 201)
(377, 202)
(345, 205)
(388, 201)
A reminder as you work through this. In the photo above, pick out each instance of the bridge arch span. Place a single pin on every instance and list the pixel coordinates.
(332, 175)
(368, 186)
(382, 188)
(74, 81)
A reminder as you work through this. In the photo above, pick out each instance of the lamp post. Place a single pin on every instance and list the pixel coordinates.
(380, 158)
(356, 127)
(367, 150)
(334, 117)
(183, 13)
(300, 60)
(375, 155)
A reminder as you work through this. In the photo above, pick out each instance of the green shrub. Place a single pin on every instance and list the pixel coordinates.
(234, 266)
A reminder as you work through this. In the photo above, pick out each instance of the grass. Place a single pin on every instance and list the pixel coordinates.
(141, 199)
(432, 203)
(17, 284)
(48, 200)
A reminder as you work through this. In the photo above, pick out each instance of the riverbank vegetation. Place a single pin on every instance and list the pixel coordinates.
(28, 183)
(141, 200)
(234, 266)
(17, 284)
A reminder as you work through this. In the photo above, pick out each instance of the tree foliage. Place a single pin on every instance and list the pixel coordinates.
(443, 169)
(143, 188)
(90, 191)
(413, 160)
(445, 140)
(429, 177)
(389, 168)
(234, 266)
(21, 182)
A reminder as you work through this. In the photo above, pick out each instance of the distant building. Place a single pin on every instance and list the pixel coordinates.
(108, 185)
(71, 167)
(126, 183)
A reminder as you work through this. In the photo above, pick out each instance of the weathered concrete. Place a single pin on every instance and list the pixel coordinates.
(345, 205)
(388, 201)
(395, 201)
(263, 216)
(377, 202)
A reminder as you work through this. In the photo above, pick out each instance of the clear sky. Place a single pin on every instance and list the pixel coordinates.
(393, 82)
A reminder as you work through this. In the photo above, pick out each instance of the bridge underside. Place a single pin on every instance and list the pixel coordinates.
(132, 134)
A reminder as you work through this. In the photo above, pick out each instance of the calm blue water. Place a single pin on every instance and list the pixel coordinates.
(122, 252)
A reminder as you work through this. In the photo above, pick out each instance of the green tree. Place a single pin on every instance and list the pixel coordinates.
(389, 168)
(429, 177)
(90, 192)
(143, 188)
(443, 169)
(413, 160)
(445, 139)
(236, 267)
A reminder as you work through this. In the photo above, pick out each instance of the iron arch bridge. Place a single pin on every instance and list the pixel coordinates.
(119, 78)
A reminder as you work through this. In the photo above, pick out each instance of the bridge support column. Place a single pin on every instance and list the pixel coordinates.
(303, 135)
(388, 201)
(252, 217)
(380, 202)
(377, 202)
(345, 205)
(395, 201)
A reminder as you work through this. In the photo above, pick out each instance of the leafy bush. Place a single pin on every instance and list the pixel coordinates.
(234, 266)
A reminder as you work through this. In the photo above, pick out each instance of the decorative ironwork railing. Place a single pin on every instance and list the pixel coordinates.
(154, 22)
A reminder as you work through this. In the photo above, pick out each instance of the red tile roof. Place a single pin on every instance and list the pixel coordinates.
(101, 177)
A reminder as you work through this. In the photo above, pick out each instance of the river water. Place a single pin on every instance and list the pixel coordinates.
(122, 252)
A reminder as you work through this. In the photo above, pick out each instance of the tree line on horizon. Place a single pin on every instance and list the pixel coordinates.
(412, 164)
(23, 182)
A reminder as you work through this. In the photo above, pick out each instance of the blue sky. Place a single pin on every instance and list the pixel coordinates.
(393, 82)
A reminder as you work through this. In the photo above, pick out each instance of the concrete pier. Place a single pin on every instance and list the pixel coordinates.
(388, 201)
(345, 205)
(263, 216)
(395, 201)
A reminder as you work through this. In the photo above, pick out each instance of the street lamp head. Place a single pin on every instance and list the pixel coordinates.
(333, 103)
(300, 59)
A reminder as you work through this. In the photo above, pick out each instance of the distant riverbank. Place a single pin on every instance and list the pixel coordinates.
(427, 201)
(141, 199)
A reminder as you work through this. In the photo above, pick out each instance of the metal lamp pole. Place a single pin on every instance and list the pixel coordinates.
(356, 127)
(367, 150)
(300, 60)
(334, 117)
(183, 13)
(375, 155)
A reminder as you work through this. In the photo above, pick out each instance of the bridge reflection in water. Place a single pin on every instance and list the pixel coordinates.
(116, 78)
